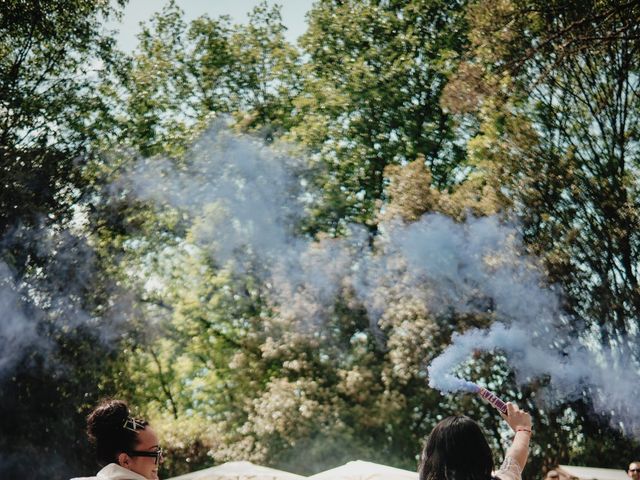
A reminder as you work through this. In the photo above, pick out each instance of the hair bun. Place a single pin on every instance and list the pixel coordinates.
(107, 418)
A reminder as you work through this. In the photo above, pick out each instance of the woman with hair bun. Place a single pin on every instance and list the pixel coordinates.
(126, 447)
(458, 450)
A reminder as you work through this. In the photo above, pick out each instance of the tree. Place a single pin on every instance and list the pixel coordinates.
(243, 361)
(570, 135)
(51, 62)
(552, 90)
(266, 76)
(259, 364)
(183, 76)
(54, 57)
(370, 98)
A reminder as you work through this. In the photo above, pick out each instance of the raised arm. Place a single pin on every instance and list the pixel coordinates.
(520, 423)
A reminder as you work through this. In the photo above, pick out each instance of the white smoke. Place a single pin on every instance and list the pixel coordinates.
(47, 299)
(17, 328)
(246, 201)
(245, 198)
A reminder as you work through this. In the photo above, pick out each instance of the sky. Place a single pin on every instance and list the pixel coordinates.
(136, 11)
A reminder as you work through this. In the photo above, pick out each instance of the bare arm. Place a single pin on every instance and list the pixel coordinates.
(520, 423)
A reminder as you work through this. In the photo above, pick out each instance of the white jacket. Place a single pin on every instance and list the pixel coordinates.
(114, 471)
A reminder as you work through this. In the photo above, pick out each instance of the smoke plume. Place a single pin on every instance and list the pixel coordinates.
(47, 299)
(17, 329)
(246, 201)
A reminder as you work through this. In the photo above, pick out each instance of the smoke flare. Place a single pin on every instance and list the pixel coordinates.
(492, 399)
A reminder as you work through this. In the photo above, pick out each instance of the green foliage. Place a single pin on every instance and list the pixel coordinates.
(51, 61)
(371, 98)
(528, 109)
(182, 76)
(560, 134)
(390, 115)
(265, 74)
(553, 89)
(55, 63)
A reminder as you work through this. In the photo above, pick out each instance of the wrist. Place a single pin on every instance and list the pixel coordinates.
(524, 430)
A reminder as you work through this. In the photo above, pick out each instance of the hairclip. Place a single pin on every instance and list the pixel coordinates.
(132, 424)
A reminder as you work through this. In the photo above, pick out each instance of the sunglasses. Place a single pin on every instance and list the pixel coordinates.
(634, 470)
(158, 454)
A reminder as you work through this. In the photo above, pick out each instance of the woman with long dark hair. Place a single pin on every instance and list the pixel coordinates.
(126, 447)
(458, 450)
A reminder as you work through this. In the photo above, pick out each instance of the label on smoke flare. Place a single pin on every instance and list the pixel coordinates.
(493, 400)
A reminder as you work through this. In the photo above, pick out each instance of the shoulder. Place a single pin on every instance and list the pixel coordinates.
(113, 472)
(116, 472)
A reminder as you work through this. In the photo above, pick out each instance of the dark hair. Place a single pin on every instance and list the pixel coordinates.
(106, 427)
(456, 450)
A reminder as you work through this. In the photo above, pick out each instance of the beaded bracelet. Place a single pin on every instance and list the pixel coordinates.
(523, 430)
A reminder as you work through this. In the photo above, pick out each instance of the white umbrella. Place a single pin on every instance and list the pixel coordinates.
(590, 473)
(239, 471)
(359, 470)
